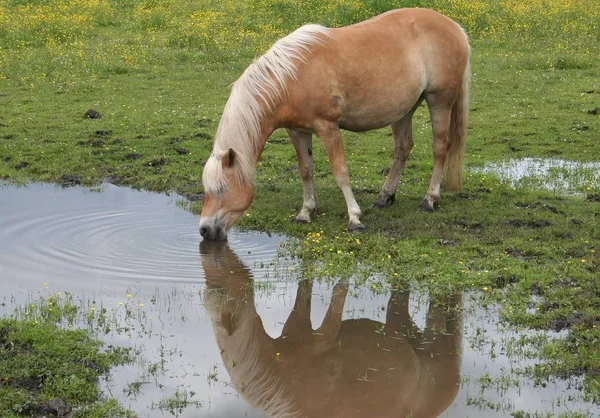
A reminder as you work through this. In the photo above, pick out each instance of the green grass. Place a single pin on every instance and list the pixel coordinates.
(161, 85)
(48, 370)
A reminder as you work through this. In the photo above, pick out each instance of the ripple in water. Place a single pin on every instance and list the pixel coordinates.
(52, 234)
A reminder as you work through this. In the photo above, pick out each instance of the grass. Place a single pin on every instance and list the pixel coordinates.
(177, 403)
(158, 73)
(46, 370)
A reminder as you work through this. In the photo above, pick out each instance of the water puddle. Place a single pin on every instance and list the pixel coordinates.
(227, 329)
(560, 176)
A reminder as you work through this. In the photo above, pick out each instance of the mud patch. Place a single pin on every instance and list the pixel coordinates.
(116, 180)
(291, 170)
(70, 180)
(575, 319)
(182, 151)
(102, 133)
(92, 114)
(531, 224)
(593, 197)
(21, 165)
(466, 225)
(55, 407)
(194, 197)
(157, 162)
(94, 143)
(203, 135)
(540, 205)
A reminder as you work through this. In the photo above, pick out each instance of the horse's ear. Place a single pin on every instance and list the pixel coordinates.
(229, 158)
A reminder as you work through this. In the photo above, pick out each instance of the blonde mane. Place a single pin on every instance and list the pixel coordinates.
(263, 82)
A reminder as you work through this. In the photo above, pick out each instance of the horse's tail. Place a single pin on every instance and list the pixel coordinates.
(458, 133)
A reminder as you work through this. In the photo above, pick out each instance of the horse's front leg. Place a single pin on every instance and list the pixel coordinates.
(303, 144)
(332, 140)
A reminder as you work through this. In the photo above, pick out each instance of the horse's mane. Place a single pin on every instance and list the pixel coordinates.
(255, 380)
(263, 82)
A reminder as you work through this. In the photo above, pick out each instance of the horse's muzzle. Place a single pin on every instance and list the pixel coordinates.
(213, 232)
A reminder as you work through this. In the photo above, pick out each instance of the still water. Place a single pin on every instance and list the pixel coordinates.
(562, 177)
(228, 327)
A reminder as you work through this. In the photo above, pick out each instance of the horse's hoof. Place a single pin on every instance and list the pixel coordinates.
(382, 202)
(426, 206)
(300, 221)
(357, 228)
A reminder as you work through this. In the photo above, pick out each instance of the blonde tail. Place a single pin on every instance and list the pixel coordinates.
(458, 134)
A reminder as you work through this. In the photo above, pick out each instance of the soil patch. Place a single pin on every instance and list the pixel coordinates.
(157, 162)
(533, 224)
(203, 135)
(593, 197)
(70, 180)
(21, 165)
(92, 114)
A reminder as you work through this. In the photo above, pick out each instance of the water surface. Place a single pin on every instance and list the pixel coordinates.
(562, 177)
(229, 326)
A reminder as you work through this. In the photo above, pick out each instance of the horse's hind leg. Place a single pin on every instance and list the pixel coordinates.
(440, 112)
(403, 143)
(303, 144)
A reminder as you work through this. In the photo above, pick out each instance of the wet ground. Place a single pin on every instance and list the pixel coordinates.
(229, 329)
(560, 176)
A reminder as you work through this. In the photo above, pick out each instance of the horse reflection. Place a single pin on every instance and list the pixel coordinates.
(346, 368)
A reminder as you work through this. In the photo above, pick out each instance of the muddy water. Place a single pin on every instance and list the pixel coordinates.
(228, 326)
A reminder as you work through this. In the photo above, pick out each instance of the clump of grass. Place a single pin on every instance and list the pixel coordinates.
(45, 368)
(177, 403)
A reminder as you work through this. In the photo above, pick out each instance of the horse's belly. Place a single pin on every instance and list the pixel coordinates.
(376, 114)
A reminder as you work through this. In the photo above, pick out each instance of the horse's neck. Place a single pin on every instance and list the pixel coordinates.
(245, 131)
(267, 127)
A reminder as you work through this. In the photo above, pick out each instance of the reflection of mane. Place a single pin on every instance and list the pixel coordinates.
(349, 368)
(241, 350)
(261, 387)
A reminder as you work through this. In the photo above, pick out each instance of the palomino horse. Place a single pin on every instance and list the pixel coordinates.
(346, 368)
(360, 77)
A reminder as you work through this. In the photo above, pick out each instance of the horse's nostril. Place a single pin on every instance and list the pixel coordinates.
(204, 232)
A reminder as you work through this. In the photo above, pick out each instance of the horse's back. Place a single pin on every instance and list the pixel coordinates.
(370, 74)
(411, 41)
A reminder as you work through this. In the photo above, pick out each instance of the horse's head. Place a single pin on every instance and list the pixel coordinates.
(227, 194)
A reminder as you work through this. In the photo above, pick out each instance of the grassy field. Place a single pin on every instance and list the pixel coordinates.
(158, 72)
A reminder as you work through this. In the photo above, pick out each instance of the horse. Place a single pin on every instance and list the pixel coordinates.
(319, 80)
(345, 368)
